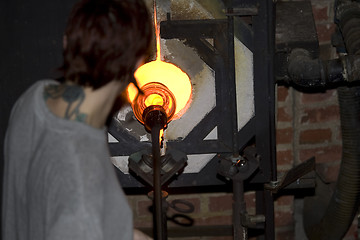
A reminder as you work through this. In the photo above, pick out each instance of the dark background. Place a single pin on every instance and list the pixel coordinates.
(30, 49)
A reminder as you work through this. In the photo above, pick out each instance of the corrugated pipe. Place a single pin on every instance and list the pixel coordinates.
(344, 202)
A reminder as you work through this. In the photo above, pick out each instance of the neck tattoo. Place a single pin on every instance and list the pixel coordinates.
(72, 95)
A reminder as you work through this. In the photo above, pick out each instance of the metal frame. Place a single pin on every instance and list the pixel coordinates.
(261, 127)
(260, 130)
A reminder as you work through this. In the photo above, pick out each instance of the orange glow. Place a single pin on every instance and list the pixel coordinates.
(157, 33)
(154, 99)
(163, 84)
(161, 136)
(176, 81)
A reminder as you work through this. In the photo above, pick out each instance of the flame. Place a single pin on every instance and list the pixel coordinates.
(157, 33)
(167, 74)
(161, 136)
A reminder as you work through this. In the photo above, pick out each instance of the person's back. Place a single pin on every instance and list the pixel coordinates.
(60, 182)
(58, 179)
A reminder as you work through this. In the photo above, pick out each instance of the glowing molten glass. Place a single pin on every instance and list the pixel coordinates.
(163, 84)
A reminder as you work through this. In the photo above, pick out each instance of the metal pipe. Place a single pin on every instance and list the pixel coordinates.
(345, 200)
(231, 78)
(159, 221)
(307, 72)
(239, 208)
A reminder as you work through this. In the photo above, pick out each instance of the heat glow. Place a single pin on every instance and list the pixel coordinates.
(167, 74)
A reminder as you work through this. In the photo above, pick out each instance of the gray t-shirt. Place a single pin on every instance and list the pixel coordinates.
(59, 182)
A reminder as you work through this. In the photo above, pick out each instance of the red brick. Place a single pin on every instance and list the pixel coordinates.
(284, 218)
(283, 115)
(339, 134)
(284, 157)
(220, 203)
(216, 220)
(250, 200)
(321, 12)
(287, 234)
(316, 97)
(286, 200)
(324, 114)
(282, 93)
(324, 31)
(314, 136)
(143, 208)
(284, 136)
(328, 172)
(143, 223)
(322, 154)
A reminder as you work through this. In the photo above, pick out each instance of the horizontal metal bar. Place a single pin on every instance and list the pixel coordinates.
(191, 28)
(242, 11)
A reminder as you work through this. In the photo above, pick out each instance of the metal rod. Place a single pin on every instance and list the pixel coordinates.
(239, 208)
(231, 78)
(159, 229)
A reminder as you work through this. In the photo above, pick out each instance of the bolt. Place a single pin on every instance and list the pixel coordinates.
(242, 163)
(274, 184)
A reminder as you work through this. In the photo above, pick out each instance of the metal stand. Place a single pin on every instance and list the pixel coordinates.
(239, 209)
(159, 217)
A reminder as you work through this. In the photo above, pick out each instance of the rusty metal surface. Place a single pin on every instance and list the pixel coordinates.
(294, 176)
(295, 25)
(295, 28)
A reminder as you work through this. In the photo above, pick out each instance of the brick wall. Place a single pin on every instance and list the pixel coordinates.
(307, 125)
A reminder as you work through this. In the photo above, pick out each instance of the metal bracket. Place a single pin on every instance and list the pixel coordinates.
(294, 175)
(241, 167)
(242, 11)
(172, 162)
(250, 221)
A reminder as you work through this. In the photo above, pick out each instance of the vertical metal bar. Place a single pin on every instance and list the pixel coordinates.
(239, 231)
(232, 83)
(269, 215)
(159, 224)
(264, 84)
(265, 206)
(239, 208)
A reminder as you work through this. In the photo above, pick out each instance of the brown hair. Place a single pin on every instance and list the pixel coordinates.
(104, 41)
